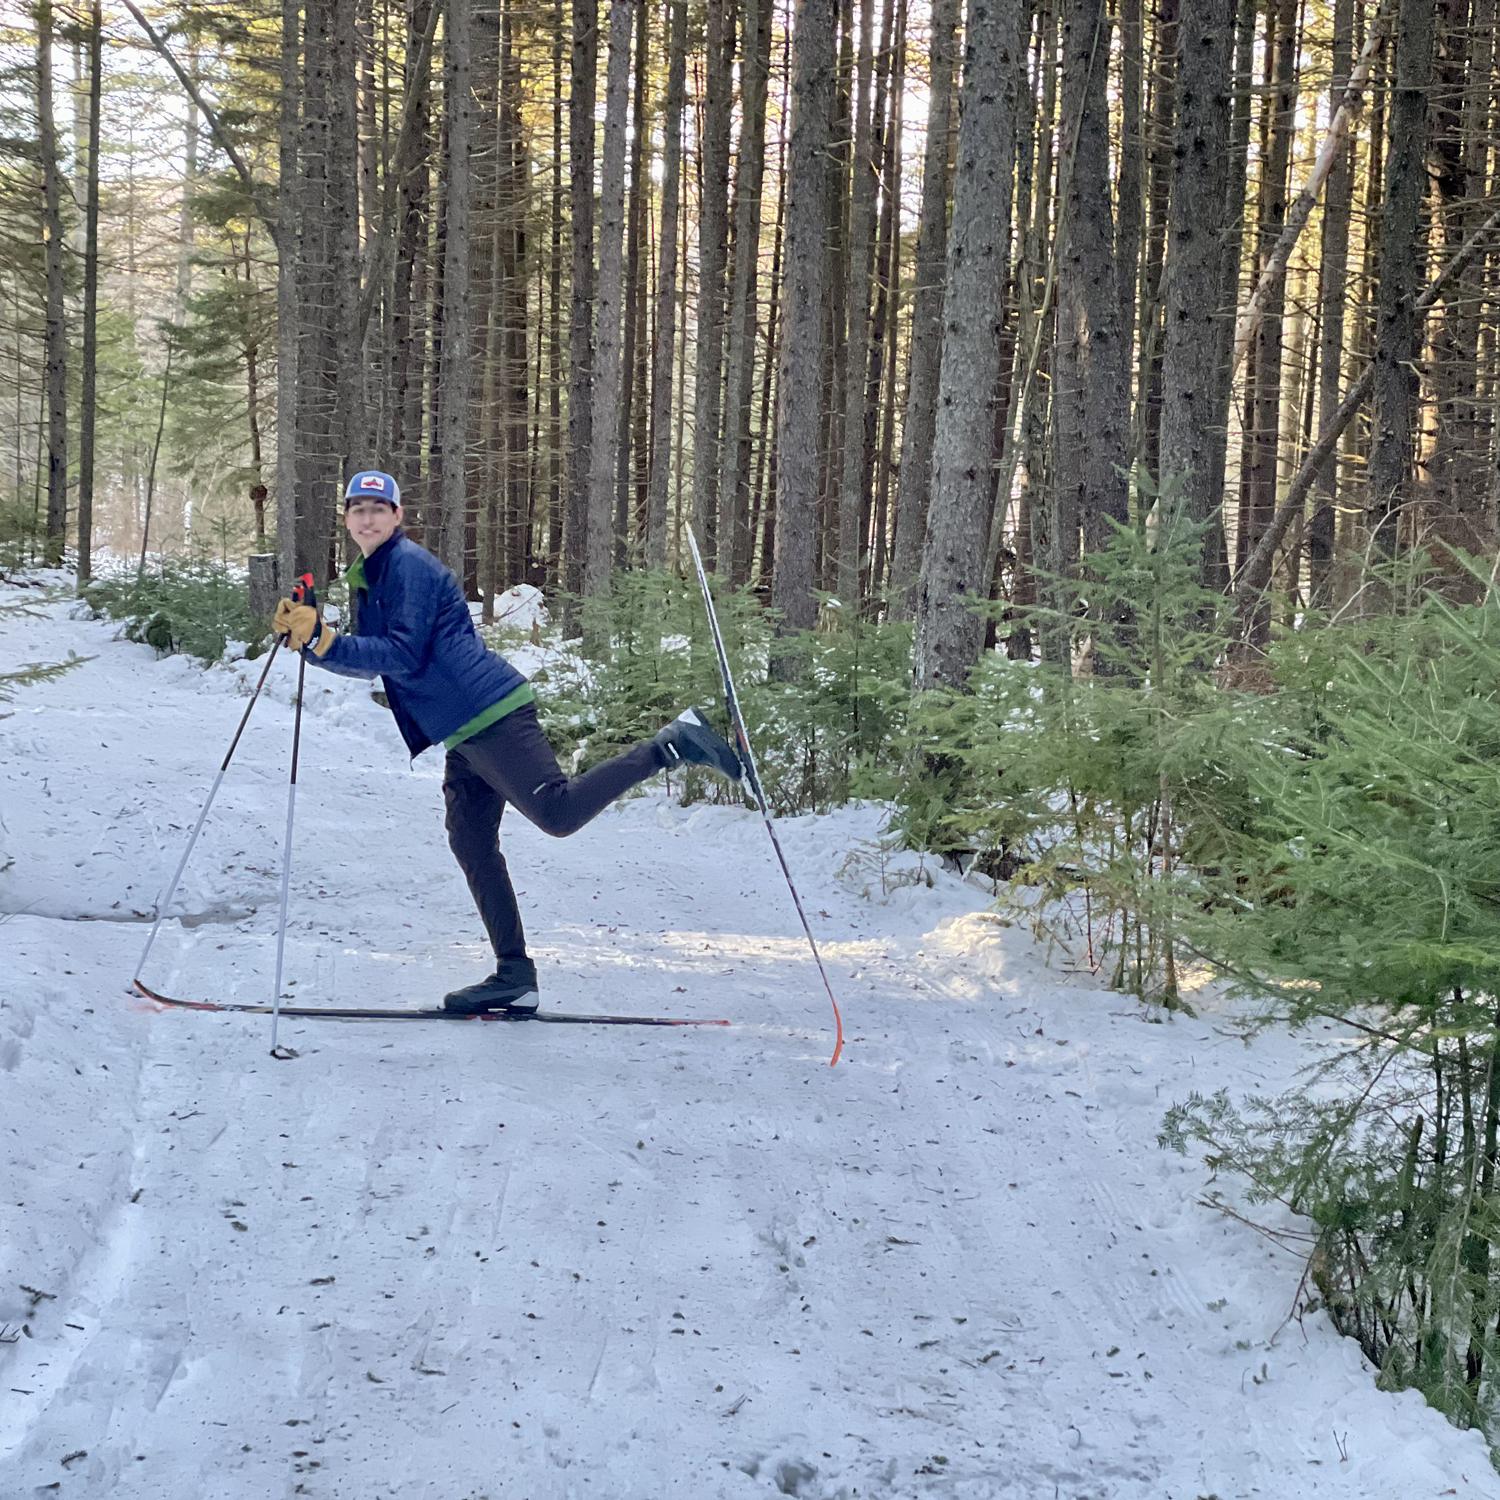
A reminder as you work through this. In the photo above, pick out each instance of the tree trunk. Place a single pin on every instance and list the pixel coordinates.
(630, 443)
(880, 415)
(446, 536)
(915, 476)
(1216, 559)
(1263, 399)
(288, 296)
(1131, 215)
(713, 236)
(1458, 109)
(1160, 146)
(1192, 428)
(402, 442)
(554, 320)
(666, 292)
(1398, 331)
(484, 466)
(608, 372)
(948, 633)
(515, 216)
(857, 319)
(1333, 270)
(734, 500)
(89, 402)
(54, 248)
(317, 377)
(1090, 391)
(581, 326)
(800, 360)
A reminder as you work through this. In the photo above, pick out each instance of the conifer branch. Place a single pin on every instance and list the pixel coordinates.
(1298, 214)
(1255, 576)
(211, 116)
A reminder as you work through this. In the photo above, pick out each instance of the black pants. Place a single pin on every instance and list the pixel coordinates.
(511, 762)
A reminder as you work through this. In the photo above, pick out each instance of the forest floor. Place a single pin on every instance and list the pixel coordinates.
(535, 1263)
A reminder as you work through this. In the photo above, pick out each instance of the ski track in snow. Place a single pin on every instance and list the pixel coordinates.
(529, 1263)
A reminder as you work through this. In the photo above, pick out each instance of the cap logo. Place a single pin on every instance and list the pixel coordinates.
(372, 482)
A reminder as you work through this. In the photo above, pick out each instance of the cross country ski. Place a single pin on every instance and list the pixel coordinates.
(396, 1013)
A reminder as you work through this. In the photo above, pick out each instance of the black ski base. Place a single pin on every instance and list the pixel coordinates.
(391, 1013)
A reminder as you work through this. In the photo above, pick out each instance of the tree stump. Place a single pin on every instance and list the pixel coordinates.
(265, 584)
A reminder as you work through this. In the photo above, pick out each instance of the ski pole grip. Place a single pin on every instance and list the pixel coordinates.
(302, 591)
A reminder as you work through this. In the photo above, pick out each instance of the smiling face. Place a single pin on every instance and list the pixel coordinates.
(371, 523)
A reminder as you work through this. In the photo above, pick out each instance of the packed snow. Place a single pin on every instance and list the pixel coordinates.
(476, 1260)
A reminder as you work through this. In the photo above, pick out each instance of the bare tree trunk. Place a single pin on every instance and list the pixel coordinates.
(880, 415)
(446, 536)
(1160, 144)
(288, 296)
(629, 450)
(800, 361)
(581, 327)
(402, 440)
(57, 332)
(516, 213)
(1039, 319)
(1216, 570)
(484, 479)
(915, 479)
(1459, 105)
(1089, 395)
(963, 483)
(763, 512)
(185, 235)
(554, 319)
(608, 374)
(89, 401)
(317, 376)
(1191, 426)
(734, 499)
(1333, 268)
(1258, 502)
(1398, 335)
(836, 306)
(713, 237)
(857, 318)
(666, 292)
(1130, 217)
(352, 430)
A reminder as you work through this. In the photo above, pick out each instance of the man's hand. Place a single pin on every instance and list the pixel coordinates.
(303, 627)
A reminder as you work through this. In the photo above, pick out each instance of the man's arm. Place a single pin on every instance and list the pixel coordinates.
(402, 649)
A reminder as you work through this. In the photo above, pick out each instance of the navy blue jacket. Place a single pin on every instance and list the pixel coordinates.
(416, 634)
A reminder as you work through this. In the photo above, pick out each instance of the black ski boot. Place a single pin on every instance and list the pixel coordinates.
(688, 738)
(511, 987)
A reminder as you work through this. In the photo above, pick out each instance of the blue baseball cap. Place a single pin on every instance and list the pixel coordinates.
(371, 484)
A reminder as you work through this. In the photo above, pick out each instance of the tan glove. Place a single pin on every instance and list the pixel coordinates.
(302, 626)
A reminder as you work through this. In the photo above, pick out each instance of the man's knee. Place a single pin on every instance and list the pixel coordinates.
(555, 817)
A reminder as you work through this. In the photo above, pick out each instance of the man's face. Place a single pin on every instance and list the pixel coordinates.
(371, 523)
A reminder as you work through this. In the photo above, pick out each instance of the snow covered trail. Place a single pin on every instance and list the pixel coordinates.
(529, 1263)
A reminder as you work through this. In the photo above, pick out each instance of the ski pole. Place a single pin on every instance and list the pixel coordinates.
(302, 593)
(752, 776)
(166, 900)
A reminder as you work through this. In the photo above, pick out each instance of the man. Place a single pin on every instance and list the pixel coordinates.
(446, 687)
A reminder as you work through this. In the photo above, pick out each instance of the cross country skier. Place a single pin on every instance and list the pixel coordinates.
(446, 687)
